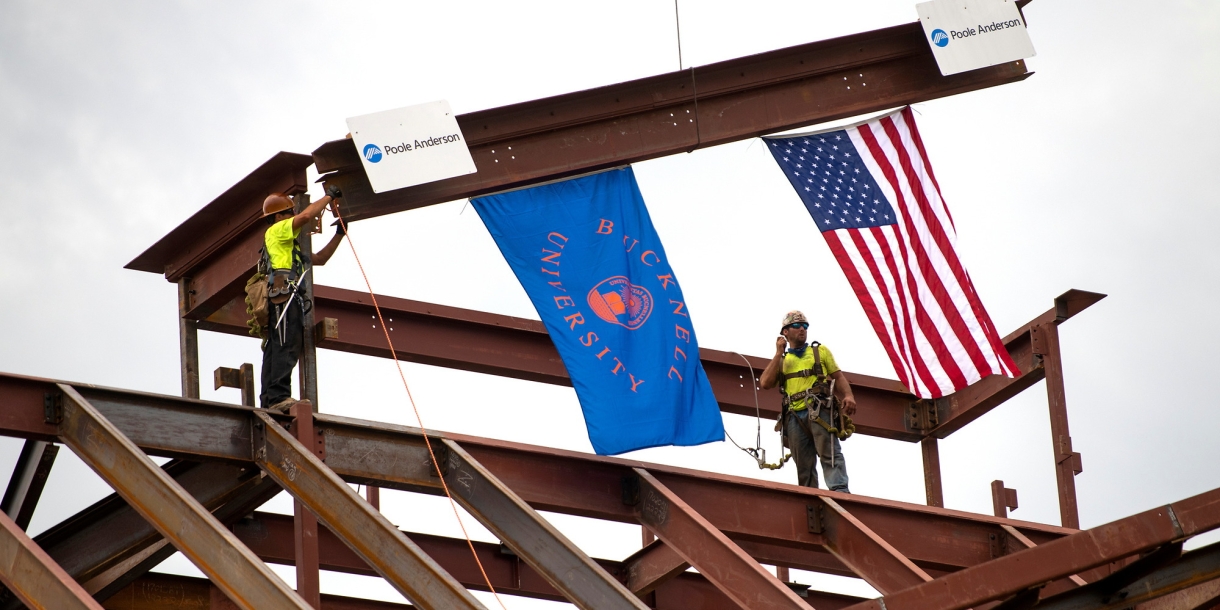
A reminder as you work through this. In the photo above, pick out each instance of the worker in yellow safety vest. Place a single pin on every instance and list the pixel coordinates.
(284, 267)
(816, 396)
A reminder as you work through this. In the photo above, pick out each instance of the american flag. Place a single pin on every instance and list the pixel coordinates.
(871, 191)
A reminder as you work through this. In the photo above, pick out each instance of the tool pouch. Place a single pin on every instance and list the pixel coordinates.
(280, 288)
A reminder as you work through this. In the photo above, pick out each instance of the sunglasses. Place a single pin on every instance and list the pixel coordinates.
(802, 325)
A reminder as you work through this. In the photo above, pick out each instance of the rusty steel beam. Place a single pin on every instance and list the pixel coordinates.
(270, 536)
(173, 592)
(29, 477)
(440, 335)
(403, 564)
(1017, 540)
(962, 407)
(933, 488)
(565, 566)
(1013, 574)
(305, 524)
(703, 546)
(168, 507)
(549, 479)
(1067, 462)
(651, 567)
(861, 549)
(1195, 568)
(33, 576)
(567, 135)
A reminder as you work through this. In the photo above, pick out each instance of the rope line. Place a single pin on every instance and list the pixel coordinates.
(411, 398)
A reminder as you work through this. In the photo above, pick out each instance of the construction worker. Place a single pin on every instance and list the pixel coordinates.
(809, 421)
(285, 313)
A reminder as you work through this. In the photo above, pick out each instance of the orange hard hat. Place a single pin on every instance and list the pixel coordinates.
(276, 203)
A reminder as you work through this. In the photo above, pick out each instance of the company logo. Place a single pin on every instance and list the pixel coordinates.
(617, 301)
(372, 153)
(940, 38)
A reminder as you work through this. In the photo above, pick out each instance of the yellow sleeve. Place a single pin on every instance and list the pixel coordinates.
(828, 361)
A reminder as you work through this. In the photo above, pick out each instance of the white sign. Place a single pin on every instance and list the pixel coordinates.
(410, 146)
(972, 34)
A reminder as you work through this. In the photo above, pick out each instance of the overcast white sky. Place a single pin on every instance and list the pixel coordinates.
(118, 121)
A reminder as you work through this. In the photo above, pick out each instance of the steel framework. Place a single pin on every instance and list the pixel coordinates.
(227, 460)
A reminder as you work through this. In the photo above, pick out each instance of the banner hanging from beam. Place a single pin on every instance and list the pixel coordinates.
(593, 265)
(871, 192)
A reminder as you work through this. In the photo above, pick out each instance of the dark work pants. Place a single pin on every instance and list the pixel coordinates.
(280, 357)
(807, 451)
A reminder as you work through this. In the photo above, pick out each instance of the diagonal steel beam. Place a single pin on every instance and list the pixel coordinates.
(651, 567)
(401, 562)
(706, 548)
(570, 134)
(33, 576)
(1192, 569)
(1020, 571)
(862, 550)
(29, 477)
(194, 531)
(565, 566)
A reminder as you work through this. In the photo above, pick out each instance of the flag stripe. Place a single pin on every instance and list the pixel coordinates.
(908, 118)
(888, 246)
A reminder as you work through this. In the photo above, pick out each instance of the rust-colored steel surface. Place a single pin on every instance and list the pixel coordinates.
(193, 530)
(651, 567)
(706, 548)
(34, 577)
(305, 524)
(495, 344)
(29, 477)
(570, 134)
(1015, 573)
(270, 536)
(365, 530)
(172, 592)
(1189, 582)
(560, 562)
(862, 550)
(1067, 462)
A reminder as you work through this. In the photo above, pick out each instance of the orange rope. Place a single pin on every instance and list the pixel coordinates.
(418, 419)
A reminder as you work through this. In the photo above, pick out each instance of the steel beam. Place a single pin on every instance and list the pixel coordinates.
(305, 524)
(299, 471)
(565, 566)
(161, 501)
(1067, 462)
(172, 592)
(706, 548)
(576, 133)
(29, 477)
(964, 406)
(1019, 572)
(188, 343)
(933, 488)
(862, 550)
(270, 536)
(439, 335)
(33, 576)
(1191, 570)
(651, 567)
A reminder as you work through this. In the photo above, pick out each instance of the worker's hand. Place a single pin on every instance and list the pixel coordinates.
(849, 405)
(334, 191)
(340, 229)
(781, 344)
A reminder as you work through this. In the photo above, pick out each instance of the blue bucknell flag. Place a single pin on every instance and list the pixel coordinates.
(871, 191)
(592, 264)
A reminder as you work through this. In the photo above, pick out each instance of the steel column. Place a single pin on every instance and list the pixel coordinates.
(564, 565)
(34, 577)
(1067, 462)
(188, 343)
(29, 477)
(305, 524)
(1003, 499)
(1053, 560)
(862, 550)
(161, 501)
(299, 471)
(308, 371)
(706, 548)
(651, 567)
(931, 471)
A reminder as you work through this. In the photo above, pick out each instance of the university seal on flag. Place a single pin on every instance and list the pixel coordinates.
(617, 301)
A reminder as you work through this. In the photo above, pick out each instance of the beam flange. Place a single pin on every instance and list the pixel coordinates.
(533, 538)
(247, 581)
(706, 548)
(365, 530)
(33, 576)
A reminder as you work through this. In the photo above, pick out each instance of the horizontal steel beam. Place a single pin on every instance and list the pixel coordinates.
(173, 592)
(1012, 574)
(549, 479)
(33, 576)
(440, 335)
(270, 536)
(570, 134)
(177, 516)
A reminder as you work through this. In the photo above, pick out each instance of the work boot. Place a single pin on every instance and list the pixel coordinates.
(283, 406)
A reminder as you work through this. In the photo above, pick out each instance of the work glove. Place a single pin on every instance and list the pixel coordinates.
(340, 228)
(334, 191)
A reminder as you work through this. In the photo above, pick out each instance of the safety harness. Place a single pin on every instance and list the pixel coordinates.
(279, 286)
(821, 394)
